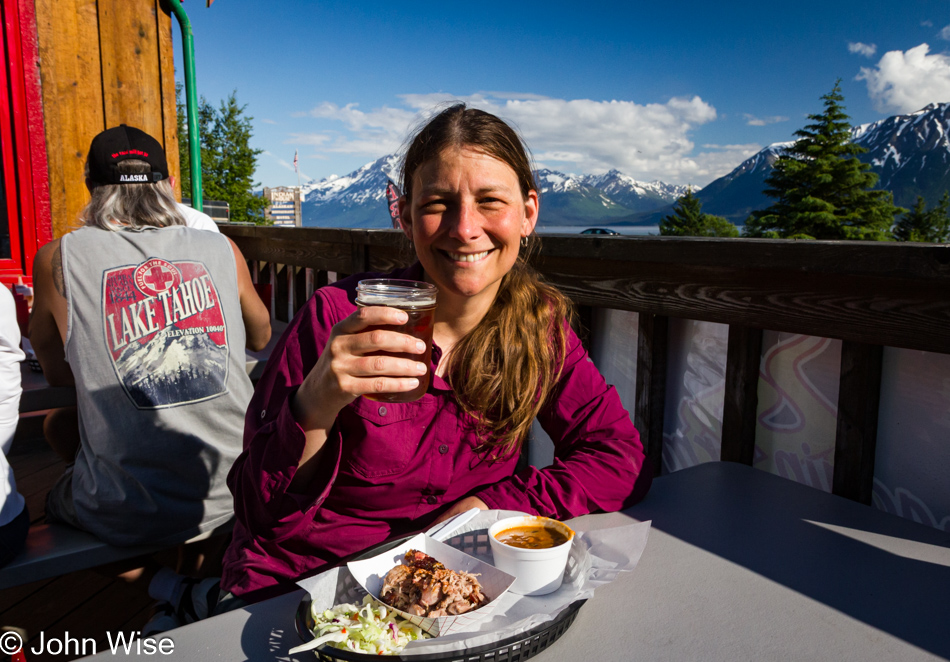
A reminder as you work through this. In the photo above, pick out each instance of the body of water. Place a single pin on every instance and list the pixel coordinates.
(640, 230)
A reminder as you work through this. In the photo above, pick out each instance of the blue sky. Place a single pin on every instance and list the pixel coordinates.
(679, 91)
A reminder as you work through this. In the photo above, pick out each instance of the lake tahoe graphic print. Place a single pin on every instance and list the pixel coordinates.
(165, 331)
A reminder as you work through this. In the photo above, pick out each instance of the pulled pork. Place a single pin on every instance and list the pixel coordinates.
(424, 587)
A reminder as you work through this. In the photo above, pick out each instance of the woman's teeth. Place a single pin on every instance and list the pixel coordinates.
(467, 257)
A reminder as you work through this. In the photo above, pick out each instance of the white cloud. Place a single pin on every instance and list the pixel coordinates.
(907, 81)
(867, 50)
(646, 141)
(945, 33)
(267, 121)
(720, 160)
(927, 24)
(752, 120)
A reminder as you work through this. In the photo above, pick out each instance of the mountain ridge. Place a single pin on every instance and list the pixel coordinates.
(910, 153)
(358, 200)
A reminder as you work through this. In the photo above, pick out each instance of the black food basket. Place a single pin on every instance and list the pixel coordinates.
(511, 649)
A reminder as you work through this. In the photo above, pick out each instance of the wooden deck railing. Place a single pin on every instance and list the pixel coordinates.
(869, 295)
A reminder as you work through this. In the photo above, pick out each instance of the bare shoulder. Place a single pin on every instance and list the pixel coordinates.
(49, 265)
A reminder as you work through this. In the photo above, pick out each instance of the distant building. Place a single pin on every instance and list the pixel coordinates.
(284, 205)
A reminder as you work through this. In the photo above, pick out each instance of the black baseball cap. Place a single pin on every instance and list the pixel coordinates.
(118, 144)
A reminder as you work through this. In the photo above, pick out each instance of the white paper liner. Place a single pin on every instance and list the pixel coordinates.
(369, 574)
(597, 557)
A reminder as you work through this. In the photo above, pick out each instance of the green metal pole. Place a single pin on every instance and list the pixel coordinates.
(191, 99)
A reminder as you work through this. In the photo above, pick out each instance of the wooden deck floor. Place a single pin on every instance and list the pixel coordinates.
(84, 604)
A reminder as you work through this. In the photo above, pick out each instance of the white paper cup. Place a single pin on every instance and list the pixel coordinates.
(536, 571)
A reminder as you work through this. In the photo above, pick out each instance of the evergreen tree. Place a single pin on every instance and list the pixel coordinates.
(184, 156)
(821, 189)
(919, 224)
(228, 161)
(688, 220)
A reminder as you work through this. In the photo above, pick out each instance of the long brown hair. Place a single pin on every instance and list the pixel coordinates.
(503, 370)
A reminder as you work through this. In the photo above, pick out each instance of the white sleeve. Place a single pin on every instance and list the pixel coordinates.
(196, 219)
(11, 501)
(10, 357)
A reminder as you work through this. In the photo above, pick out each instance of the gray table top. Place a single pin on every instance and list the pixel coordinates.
(740, 564)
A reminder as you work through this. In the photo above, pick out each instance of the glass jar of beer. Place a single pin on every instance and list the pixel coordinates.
(415, 297)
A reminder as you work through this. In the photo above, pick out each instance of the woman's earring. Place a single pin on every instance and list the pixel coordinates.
(524, 242)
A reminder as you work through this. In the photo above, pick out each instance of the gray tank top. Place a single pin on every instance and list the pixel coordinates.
(155, 340)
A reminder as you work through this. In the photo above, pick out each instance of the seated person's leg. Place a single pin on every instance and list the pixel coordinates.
(204, 557)
(13, 535)
(61, 429)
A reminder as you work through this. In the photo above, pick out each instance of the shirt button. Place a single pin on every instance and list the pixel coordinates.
(263, 412)
(382, 411)
(432, 500)
(444, 448)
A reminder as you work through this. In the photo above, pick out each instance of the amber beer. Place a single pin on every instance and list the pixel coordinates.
(418, 300)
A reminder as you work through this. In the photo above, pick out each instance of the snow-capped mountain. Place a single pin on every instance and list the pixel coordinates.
(581, 199)
(910, 154)
(632, 193)
(737, 194)
(358, 199)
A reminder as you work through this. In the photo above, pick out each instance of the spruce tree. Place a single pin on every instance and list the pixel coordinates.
(228, 161)
(688, 220)
(821, 189)
(920, 224)
(184, 155)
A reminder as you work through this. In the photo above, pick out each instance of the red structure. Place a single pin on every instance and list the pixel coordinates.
(24, 186)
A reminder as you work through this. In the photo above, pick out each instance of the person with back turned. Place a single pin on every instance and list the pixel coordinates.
(149, 319)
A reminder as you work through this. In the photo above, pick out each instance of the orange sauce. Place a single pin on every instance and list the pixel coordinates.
(531, 537)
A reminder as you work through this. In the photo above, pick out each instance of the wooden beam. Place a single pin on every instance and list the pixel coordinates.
(68, 40)
(166, 65)
(131, 65)
(859, 396)
(652, 343)
(740, 402)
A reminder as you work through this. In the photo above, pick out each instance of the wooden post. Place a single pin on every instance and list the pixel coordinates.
(272, 279)
(303, 286)
(859, 397)
(310, 282)
(652, 342)
(585, 325)
(741, 399)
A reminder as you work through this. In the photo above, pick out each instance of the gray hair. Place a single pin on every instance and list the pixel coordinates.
(134, 207)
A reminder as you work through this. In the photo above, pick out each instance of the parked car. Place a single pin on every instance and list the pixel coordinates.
(599, 231)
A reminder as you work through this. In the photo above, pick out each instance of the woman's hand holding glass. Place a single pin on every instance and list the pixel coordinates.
(358, 360)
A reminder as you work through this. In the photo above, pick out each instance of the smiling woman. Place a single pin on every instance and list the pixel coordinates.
(327, 472)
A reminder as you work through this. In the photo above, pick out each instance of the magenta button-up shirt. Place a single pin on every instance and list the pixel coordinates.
(390, 468)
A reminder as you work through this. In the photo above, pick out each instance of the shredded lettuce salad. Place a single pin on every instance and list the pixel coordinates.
(371, 628)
